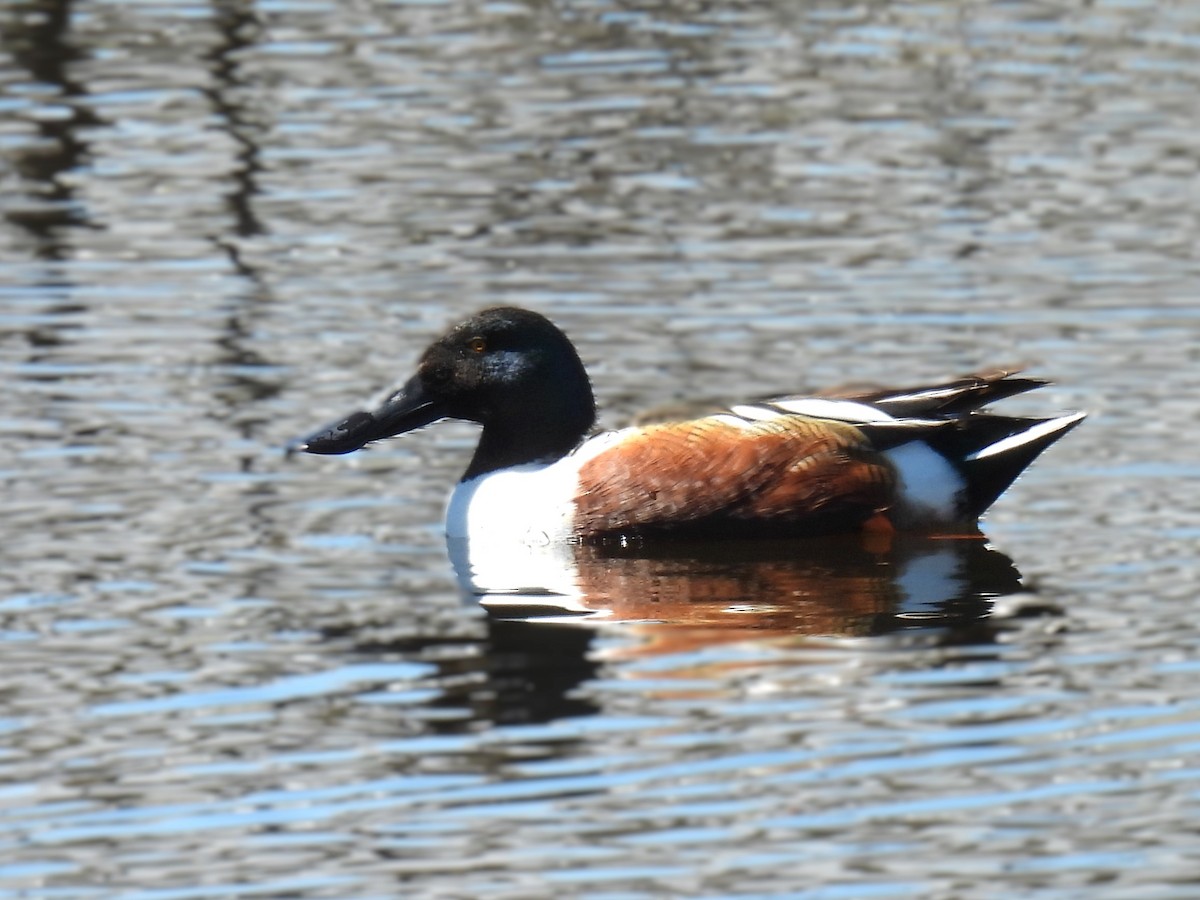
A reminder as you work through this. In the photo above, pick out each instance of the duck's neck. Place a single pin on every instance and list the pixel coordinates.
(521, 440)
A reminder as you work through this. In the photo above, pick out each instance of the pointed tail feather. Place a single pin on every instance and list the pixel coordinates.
(957, 397)
(991, 469)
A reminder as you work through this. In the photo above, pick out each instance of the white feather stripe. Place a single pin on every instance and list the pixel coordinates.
(839, 410)
(756, 413)
(937, 393)
(1045, 429)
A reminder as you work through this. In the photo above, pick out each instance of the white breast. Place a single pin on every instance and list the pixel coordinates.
(531, 504)
(528, 504)
(509, 531)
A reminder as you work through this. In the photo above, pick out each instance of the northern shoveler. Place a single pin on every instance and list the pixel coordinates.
(915, 459)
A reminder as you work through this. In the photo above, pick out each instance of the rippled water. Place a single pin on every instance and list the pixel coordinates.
(223, 673)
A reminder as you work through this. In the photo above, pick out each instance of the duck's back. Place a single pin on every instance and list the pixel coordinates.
(733, 475)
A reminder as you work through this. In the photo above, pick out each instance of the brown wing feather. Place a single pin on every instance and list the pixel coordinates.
(789, 474)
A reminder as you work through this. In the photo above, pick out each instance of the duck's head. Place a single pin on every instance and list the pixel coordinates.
(511, 370)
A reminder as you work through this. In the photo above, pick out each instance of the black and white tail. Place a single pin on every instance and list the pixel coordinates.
(952, 459)
(989, 469)
(988, 450)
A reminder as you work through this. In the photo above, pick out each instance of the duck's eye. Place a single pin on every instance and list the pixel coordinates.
(477, 344)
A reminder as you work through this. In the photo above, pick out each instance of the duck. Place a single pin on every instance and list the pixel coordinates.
(922, 458)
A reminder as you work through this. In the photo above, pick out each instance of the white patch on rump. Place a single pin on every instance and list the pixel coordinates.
(928, 489)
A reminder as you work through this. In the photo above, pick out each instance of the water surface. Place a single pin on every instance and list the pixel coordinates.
(228, 674)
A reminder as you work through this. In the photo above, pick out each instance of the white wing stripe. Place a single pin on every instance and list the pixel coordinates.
(755, 413)
(841, 410)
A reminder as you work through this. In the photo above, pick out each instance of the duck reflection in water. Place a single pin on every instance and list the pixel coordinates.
(540, 644)
(683, 596)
